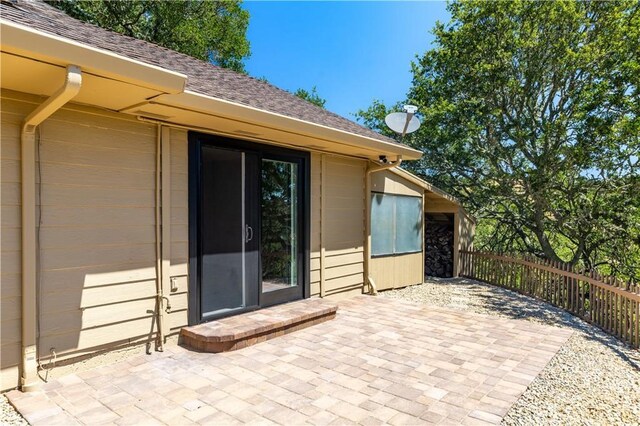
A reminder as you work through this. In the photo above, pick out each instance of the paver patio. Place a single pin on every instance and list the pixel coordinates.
(379, 361)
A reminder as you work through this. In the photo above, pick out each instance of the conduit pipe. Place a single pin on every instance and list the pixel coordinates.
(159, 274)
(29, 377)
(367, 237)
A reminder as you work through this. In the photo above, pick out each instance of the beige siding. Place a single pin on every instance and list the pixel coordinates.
(179, 230)
(96, 166)
(405, 269)
(97, 236)
(465, 231)
(316, 189)
(337, 225)
(10, 119)
(391, 183)
(397, 271)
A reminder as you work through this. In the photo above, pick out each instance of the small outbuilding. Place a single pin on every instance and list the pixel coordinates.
(417, 230)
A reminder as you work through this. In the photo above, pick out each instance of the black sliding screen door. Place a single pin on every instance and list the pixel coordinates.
(248, 226)
(229, 246)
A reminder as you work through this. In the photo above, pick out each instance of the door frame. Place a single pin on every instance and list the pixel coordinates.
(196, 141)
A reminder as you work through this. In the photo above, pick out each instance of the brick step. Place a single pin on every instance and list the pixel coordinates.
(240, 331)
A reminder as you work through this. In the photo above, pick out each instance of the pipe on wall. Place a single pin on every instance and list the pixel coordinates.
(367, 237)
(163, 230)
(73, 82)
(158, 218)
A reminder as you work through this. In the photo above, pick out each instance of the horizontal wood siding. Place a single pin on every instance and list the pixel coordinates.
(96, 186)
(178, 295)
(97, 237)
(11, 115)
(104, 163)
(343, 227)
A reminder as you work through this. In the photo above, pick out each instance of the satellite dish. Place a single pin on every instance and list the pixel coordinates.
(403, 122)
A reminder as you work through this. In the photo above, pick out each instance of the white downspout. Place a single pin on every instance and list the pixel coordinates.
(367, 239)
(29, 378)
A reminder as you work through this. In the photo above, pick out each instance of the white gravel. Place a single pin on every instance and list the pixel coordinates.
(8, 415)
(593, 380)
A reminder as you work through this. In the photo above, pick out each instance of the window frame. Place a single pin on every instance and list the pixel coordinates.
(395, 224)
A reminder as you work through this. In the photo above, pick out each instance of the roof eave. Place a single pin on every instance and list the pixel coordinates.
(49, 48)
(223, 108)
(28, 42)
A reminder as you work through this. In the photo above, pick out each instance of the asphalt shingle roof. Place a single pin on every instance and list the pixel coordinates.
(203, 77)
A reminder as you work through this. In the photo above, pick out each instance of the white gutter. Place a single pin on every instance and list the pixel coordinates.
(30, 43)
(367, 236)
(29, 379)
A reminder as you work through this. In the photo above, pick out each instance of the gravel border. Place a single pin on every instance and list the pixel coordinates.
(8, 414)
(594, 379)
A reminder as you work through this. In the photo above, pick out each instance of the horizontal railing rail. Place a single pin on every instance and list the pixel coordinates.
(607, 302)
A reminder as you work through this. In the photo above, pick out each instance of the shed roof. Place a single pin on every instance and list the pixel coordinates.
(432, 191)
(203, 77)
(425, 185)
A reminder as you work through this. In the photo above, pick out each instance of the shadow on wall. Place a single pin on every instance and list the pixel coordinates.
(111, 306)
(343, 227)
(82, 313)
(96, 175)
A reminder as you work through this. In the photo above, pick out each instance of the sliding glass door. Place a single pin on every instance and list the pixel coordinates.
(280, 239)
(249, 230)
(229, 247)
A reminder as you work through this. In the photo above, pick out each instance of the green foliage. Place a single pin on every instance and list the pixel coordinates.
(279, 222)
(213, 31)
(312, 96)
(530, 116)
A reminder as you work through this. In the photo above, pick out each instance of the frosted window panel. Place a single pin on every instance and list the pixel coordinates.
(382, 224)
(408, 224)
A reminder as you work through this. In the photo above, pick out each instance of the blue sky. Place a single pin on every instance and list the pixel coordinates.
(354, 52)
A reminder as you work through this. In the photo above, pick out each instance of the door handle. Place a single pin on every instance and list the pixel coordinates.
(248, 233)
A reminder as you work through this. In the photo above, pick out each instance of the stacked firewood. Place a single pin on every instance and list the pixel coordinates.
(438, 256)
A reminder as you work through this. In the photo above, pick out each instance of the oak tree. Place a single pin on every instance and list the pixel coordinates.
(530, 116)
(213, 31)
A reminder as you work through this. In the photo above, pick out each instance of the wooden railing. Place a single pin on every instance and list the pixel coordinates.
(609, 303)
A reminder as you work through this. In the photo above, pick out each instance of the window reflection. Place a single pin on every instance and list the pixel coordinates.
(279, 237)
